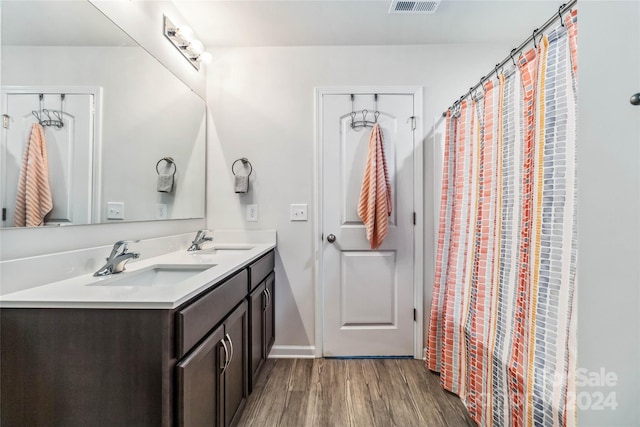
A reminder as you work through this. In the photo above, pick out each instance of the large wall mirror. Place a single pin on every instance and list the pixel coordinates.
(125, 138)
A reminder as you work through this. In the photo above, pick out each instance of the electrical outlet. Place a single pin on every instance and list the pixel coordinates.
(161, 211)
(115, 210)
(298, 212)
(252, 213)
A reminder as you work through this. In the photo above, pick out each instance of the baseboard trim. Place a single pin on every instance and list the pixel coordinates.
(293, 352)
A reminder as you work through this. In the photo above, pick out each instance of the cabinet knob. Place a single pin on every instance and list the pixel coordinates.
(635, 99)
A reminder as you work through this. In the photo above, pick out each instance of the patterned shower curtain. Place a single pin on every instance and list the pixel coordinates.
(503, 316)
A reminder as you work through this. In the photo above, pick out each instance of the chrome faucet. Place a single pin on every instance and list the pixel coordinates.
(201, 237)
(117, 259)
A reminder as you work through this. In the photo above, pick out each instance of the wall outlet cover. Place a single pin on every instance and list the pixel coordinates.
(298, 212)
(252, 213)
(115, 210)
(161, 211)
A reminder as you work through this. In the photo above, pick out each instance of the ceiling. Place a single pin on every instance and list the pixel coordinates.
(222, 23)
(235, 23)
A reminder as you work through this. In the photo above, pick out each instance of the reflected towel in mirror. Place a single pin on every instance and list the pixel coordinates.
(165, 182)
(241, 184)
(33, 200)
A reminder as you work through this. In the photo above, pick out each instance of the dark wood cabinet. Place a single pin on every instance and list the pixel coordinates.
(189, 366)
(270, 314)
(86, 367)
(212, 379)
(257, 304)
(262, 314)
(235, 378)
(199, 383)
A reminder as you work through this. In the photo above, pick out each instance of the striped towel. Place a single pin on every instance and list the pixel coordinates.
(33, 201)
(374, 207)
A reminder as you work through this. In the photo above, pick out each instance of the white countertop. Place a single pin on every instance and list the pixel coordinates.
(87, 291)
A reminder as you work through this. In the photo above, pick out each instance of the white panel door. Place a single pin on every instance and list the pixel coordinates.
(368, 294)
(69, 150)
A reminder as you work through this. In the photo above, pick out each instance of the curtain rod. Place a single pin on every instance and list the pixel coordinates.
(536, 32)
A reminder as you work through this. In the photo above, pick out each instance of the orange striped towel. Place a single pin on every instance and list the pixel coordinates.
(374, 207)
(34, 200)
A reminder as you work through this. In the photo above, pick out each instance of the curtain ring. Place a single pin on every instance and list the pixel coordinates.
(170, 161)
(244, 161)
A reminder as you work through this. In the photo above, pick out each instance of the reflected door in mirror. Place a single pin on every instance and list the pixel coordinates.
(69, 151)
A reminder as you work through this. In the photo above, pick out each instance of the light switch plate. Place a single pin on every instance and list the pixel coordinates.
(298, 212)
(115, 210)
(252, 213)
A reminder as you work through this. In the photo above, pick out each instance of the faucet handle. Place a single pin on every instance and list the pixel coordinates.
(201, 233)
(126, 242)
(120, 243)
(201, 237)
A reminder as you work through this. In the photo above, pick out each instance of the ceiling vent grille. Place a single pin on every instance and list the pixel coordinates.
(413, 7)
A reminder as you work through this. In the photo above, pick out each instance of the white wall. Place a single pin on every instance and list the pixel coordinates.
(262, 107)
(140, 20)
(609, 207)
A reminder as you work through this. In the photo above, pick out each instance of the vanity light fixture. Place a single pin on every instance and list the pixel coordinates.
(184, 40)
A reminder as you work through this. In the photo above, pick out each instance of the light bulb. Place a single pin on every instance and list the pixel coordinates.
(205, 57)
(196, 47)
(185, 33)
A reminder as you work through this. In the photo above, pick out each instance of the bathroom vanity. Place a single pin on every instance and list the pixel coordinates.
(115, 354)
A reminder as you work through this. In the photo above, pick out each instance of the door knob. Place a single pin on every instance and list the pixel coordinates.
(635, 99)
(331, 238)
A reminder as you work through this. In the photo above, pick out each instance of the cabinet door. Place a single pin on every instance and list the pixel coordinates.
(269, 314)
(257, 303)
(236, 378)
(199, 385)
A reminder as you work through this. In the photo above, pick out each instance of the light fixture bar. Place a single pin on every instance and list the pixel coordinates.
(189, 48)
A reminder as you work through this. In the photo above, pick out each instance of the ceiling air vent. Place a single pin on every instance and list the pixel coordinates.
(413, 7)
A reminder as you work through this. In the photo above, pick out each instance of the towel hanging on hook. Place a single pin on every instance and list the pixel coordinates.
(241, 182)
(356, 124)
(166, 181)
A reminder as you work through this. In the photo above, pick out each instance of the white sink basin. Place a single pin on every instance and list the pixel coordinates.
(223, 250)
(155, 275)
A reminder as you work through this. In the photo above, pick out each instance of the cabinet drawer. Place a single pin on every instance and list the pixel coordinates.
(260, 269)
(194, 321)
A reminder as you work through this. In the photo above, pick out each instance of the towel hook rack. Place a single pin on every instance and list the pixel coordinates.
(245, 162)
(43, 115)
(364, 122)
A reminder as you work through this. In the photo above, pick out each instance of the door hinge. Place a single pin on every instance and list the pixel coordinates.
(4, 214)
(415, 314)
(5, 121)
(413, 122)
(414, 218)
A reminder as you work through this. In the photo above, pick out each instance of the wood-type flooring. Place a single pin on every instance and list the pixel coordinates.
(351, 392)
